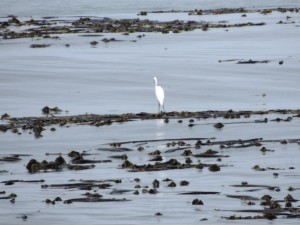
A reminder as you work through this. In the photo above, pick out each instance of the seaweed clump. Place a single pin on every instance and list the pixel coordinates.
(34, 166)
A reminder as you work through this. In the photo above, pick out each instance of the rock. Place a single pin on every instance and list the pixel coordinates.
(94, 43)
(16, 21)
(167, 180)
(46, 110)
(214, 168)
(140, 148)
(10, 182)
(275, 205)
(127, 164)
(266, 11)
(199, 166)
(39, 46)
(157, 159)
(188, 160)
(143, 13)
(266, 200)
(172, 184)
(288, 204)
(137, 180)
(58, 199)
(155, 184)
(153, 191)
(184, 183)
(24, 217)
(218, 125)
(270, 216)
(48, 201)
(4, 116)
(291, 189)
(158, 214)
(197, 202)
(187, 152)
(60, 161)
(74, 154)
(181, 143)
(289, 198)
(30, 165)
(155, 153)
(106, 40)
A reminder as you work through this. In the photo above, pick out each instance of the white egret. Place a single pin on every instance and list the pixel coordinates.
(160, 95)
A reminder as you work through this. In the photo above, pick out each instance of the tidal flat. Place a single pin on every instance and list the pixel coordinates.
(154, 169)
(113, 73)
(226, 149)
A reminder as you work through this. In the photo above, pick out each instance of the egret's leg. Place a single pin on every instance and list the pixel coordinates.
(158, 108)
(164, 108)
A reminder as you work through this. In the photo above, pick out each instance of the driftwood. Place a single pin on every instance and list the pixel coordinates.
(94, 199)
(158, 140)
(242, 197)
(10, 159)
(10, 182)
(82, 185)
(253, 61)
(200, 193)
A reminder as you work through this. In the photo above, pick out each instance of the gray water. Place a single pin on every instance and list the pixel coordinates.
(100, 7)
(118, 78)
(176, 209)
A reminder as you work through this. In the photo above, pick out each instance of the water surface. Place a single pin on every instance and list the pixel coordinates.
(118, 78)
(108, 7)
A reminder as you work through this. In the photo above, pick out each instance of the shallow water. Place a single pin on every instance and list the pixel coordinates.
(118, 78)
(176, 209)
(108, 7)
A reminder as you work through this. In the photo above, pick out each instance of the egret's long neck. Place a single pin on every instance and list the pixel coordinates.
(155, 82)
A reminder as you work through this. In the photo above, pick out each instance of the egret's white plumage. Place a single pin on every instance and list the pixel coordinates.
(160, 95)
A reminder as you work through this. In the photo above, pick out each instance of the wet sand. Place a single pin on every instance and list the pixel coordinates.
(187, 166)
